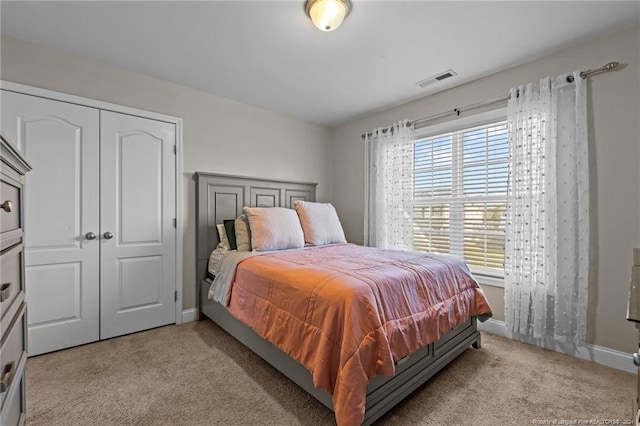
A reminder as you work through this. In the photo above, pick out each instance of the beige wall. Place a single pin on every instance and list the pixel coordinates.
(495, 295)
(614, 109)
(224, 136)
(220, 135)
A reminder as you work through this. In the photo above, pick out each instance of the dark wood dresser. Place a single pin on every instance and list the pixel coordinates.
(13, 307)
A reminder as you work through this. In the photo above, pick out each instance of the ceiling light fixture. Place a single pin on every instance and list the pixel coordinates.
(327, 15)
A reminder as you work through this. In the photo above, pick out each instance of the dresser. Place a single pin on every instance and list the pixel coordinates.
(13, 307)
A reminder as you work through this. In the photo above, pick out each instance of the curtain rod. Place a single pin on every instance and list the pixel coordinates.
(421, 121)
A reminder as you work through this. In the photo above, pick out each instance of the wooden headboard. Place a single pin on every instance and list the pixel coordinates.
(220, 197)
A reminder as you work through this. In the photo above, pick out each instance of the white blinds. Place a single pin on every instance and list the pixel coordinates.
(459, 188)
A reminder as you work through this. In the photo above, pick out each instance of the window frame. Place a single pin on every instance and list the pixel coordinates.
(456, 125)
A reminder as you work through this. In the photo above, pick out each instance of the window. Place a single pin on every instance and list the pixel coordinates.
(459, 195)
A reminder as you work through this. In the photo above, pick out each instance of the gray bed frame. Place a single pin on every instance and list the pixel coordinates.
(221, 197)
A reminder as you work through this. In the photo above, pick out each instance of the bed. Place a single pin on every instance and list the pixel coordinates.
(221, 197)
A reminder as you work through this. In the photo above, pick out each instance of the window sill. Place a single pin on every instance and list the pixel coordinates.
(485, 280)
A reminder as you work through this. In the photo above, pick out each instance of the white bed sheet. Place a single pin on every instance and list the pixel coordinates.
(222, 264)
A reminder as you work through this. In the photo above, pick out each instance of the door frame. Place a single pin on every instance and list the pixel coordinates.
(106, 106)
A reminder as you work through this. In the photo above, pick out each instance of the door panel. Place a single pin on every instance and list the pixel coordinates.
(140, 178)
(61, 142)
(138, 208)
(140, 280)
(60, 286)
(63, 178)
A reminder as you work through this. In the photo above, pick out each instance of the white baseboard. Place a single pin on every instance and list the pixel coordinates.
(189, 315)
(609, 357)
(494, 327)
(598, 354)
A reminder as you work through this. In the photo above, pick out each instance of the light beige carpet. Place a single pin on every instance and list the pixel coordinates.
(196, 374)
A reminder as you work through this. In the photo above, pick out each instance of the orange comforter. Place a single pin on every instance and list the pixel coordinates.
(346, 312)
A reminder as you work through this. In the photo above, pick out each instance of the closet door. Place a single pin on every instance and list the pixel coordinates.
(61, 142)
(137, 224)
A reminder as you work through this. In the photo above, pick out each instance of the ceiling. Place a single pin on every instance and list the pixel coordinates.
(269, 54)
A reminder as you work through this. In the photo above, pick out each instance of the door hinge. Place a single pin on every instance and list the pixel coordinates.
(175, 296)
(175, 222)
(175, 149)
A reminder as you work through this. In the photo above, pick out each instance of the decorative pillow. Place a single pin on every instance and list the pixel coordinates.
(243, 233)
(222, 235)
(215, 260)
(274, 228)
(320, 223)
(230, 228)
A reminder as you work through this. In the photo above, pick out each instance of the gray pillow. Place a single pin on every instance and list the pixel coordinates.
(230, 227)
(243, 233)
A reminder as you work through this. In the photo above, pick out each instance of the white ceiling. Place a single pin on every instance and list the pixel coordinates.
(268, 53)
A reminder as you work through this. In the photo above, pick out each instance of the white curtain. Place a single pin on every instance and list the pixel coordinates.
(389, 187)
(547, 229)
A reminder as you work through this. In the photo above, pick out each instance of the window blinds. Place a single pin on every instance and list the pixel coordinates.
(459, 195)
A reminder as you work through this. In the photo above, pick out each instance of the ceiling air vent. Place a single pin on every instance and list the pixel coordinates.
(435, 78)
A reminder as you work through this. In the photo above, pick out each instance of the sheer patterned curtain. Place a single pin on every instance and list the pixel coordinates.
(389, 187)
(547, 230)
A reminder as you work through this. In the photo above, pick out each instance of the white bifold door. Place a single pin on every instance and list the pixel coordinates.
(100, 208)
(137, 211)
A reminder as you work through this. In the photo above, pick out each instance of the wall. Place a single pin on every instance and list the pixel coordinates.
(220, 135)
(614, 113)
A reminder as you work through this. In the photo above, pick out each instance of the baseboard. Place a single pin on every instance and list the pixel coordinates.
(189, 315)
(609, 357)
(598, 354)
(494, 327)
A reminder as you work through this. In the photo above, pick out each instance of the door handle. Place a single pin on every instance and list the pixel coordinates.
(108, 235)
(90, 236)
(7, 206)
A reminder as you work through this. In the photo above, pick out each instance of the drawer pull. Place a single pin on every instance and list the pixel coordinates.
(5, 291)
(7, 206)
(7, 376)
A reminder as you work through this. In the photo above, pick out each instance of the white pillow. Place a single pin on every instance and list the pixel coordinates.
(320, 223)
(274, 228)
(222, 235)
(243, 233)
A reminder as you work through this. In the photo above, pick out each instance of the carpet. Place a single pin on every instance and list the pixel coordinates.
(197, 374)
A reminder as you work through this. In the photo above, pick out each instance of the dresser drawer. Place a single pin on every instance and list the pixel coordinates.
(12, 351)
(11, 279)
(14, 407)
(10, 217)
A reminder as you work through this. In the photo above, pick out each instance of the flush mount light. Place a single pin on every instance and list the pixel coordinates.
(327, 15)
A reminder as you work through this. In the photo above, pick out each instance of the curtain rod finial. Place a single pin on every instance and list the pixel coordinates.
(611, 65)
